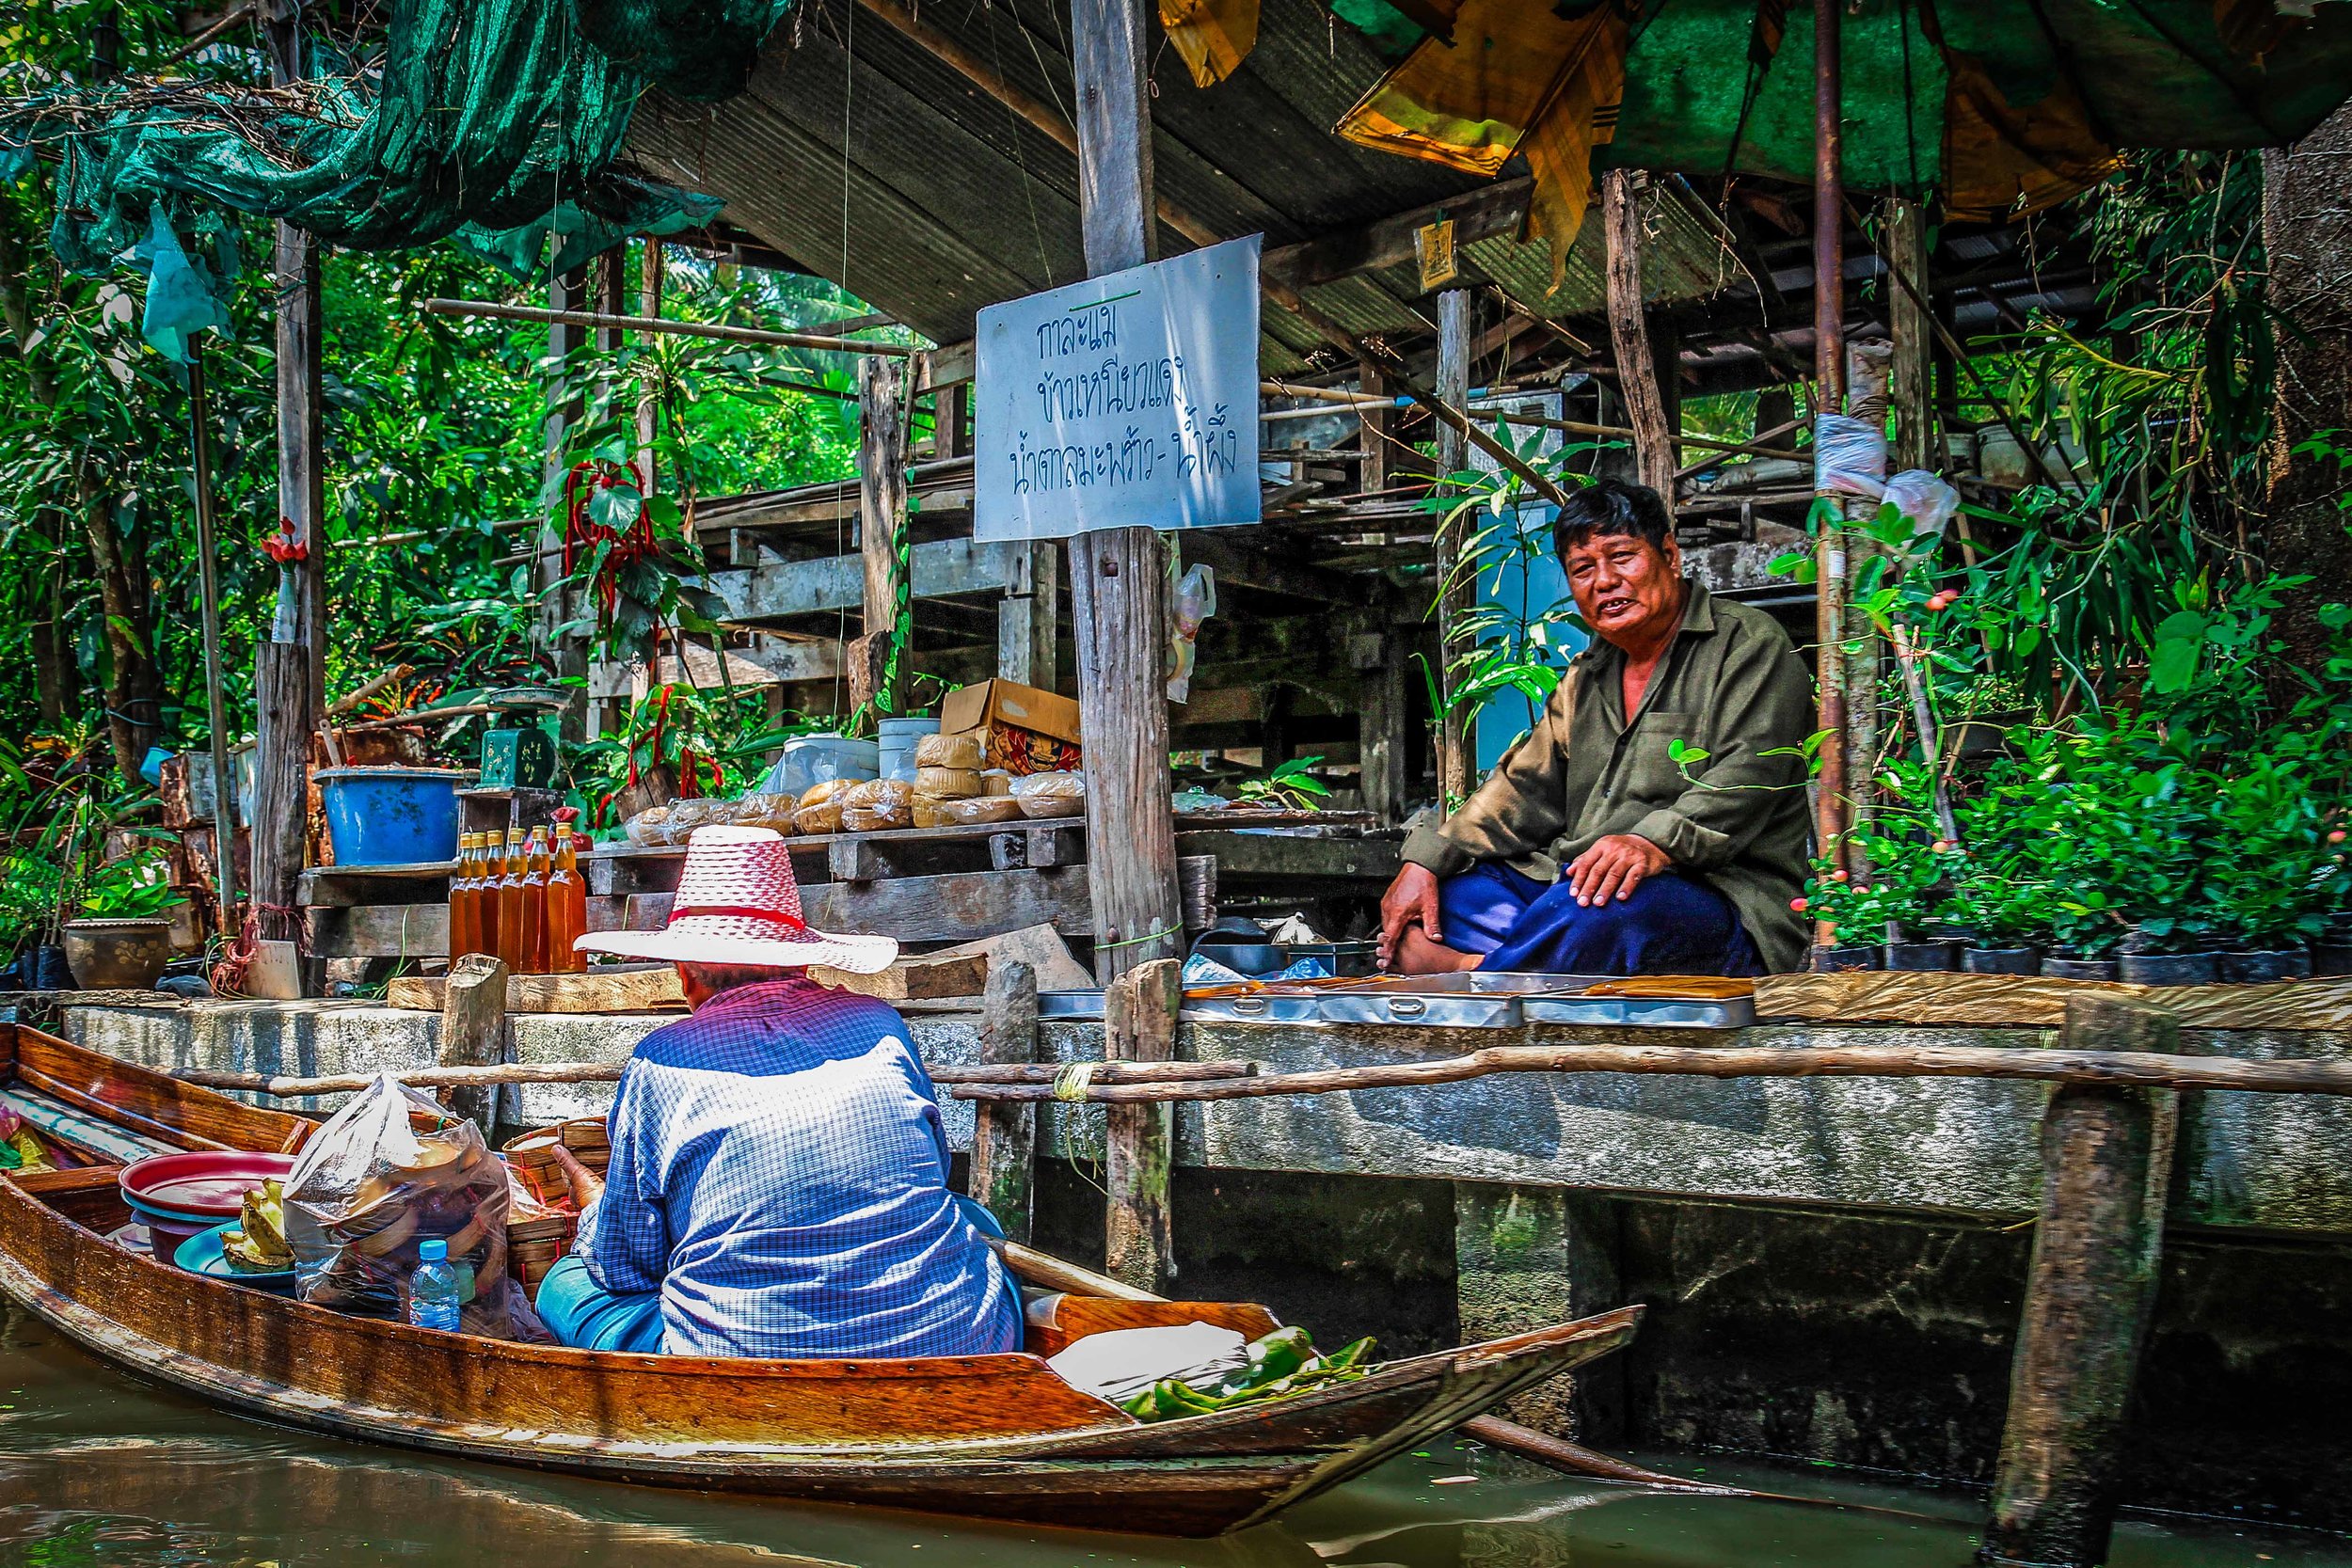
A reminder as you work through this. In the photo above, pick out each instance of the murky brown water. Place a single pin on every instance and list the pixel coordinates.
(99, 1470)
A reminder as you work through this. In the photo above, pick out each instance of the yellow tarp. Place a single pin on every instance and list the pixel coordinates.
(1213, 36)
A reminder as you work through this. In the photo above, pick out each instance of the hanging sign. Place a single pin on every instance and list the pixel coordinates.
(1127, 401)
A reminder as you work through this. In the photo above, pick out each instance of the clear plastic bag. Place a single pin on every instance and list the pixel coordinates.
(960, 750)
(1926, 502)
(1058, 794)
(390, 1171)
(1848, 457)
(877, 803)
(650, 828)
(1191, 601)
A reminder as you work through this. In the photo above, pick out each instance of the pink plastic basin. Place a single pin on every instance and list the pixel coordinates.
(181, 1195)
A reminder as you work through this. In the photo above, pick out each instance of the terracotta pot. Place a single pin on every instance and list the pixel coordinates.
(118, 955)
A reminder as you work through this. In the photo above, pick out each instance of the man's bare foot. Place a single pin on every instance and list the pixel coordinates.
(1417, 955)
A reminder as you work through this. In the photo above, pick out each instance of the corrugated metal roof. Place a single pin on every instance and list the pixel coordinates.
(953, 201)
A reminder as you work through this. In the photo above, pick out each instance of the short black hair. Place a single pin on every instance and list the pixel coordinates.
(1612, 506)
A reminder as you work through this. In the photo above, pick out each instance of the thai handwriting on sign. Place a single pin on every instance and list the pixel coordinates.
(1106, 387)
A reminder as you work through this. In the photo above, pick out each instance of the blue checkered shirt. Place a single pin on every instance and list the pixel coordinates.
(780, 1175)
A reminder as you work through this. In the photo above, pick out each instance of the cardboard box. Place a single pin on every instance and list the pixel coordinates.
(1022, 728)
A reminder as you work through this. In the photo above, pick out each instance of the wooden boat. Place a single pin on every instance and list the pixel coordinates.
(997, 1435)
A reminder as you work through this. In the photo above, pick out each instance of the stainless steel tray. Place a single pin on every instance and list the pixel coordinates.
(1417, 1009)
(1638, 1012)
(1467, 1000)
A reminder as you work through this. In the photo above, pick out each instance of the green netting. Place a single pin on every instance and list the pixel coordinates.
(492, 122)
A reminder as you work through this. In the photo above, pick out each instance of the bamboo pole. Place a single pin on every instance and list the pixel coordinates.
(1038, 1074)
(605, 322)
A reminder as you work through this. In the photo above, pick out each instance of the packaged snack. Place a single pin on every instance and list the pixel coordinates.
(950, 751)
(1054, 794)
(995, 781)
(650, 828)
(975, 808)
(765, 809)
(877, 803)
(948, 783)
(819, 811)
(687, 815)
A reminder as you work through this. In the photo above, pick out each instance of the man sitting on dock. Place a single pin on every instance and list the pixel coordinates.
(779, 1177)
(1598, 846)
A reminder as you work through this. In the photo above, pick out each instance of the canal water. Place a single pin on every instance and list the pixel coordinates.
(99, 1469)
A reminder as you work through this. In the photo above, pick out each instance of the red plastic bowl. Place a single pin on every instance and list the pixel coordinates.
(209, 1185)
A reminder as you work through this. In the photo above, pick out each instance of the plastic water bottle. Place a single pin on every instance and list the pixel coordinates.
(433, 1291)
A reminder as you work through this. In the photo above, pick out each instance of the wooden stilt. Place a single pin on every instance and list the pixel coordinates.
(473, 1031)
(1383, 735)
(1458, 742)
(1029, 622)
(208, 593)
(2107, 1157)
(1004, 1136)
(567, 651)
(1829, 368)
(882, 506)
(1911, 384)
(1623, 192)
(1139, 1026)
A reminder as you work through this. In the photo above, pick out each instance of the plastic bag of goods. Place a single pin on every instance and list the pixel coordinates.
(765, 809)
(961, 749)
(819, 811)
(687, 815)
(947, 784)
(650, 828)
(877, 803)
(390, 1172)
(939, 811)
(1190, 602)
(1057, 794)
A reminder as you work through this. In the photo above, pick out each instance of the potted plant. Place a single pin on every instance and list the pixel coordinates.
(1848, 908)
(122, 939)
(2267, 876)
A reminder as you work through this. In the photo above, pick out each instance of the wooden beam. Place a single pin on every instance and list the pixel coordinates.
(1004, 1137)
(301, 398)
(1482, 213)
(775, 589)
(1139, 1026)
(1236, 563)
(1459, 588)
(1914, 336)
(566, 650)
(1028, 624)
(1622, 191)
(2090, 1292)
(1384, 737)
(614, 322)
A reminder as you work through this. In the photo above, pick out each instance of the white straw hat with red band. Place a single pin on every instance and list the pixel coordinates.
(737, 903)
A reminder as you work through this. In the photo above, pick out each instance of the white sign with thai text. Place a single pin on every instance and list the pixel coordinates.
(1127, 401)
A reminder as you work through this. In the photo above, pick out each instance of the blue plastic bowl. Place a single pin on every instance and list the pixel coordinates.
(391, 816)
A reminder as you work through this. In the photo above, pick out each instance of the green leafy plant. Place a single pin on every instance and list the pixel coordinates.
(137, 887)
(1291, 786)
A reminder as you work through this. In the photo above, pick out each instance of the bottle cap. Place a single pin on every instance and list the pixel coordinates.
(434, 1251)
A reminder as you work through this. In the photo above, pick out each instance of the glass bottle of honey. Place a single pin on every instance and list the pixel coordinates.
(490, 866)
(533, 946)
(512, 930)
(567, 902)
(462, 901)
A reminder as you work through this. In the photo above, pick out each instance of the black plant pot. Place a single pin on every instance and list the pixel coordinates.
(2339, 929)
(45, 968)
(2170, 969)
(1923, 956)
(2077, 968)
(2002, 960)
(2332, 959)
(1837, 960)
(2252, 966)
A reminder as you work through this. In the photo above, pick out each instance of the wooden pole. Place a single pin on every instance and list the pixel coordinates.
(567, 651)
(2089, 1293)
(649, 379)
(208, 592)
(1622, 190)
(1829, 371)
(301, 409)
(474, 1033)
(1914, 338)
(1459, 582)
(882, 507)
(1118, 575)
(614, 321)
(1004, 1137)
(1139, 1026)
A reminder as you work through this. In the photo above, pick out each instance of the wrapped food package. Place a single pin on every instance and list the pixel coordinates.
(819, 811)
(687, 815)
(390, 1171)
(950, 750)
(765, 809)
(995, 781)
(877, 803)
(1054, 794)
(932, 811)
(650, 828)
(947, 784)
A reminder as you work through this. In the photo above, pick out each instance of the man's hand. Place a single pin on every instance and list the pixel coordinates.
(1611, 868)
(1411, 900)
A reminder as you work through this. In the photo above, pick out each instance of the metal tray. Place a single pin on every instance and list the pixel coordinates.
(1639, 1012)
(1417, 1009)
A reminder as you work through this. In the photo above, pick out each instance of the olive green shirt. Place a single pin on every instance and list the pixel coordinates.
(1731, 686)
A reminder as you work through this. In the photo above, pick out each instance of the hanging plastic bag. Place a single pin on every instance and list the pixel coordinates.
(1192, 601)
(1848, 457)
(1926, 502)
(393, 1170)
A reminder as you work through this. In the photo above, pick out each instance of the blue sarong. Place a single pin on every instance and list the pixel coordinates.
(1672, 925)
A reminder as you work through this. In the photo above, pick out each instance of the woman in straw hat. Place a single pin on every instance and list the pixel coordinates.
(779, 1176)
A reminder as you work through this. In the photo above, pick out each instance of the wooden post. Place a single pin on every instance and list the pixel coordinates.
(1117, 575)
(1622, 194)
(1914, 338)
(1372, 476)
(1829, 369)
(1455, 744)
(882, 509)
(1139, 1026)
(1382, 733)
(208, 595)
(649, 380)
(1028, 622)
(568, 650)
(1865, 661)
(473, 1031)
(1004, 1133)
(301, 403)
(2106, 1158)
(280, 787)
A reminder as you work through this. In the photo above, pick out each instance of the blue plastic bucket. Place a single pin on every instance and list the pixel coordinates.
(391, 816)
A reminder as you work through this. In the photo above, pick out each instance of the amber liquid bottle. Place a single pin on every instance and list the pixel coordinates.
(533, 946)
(462, 903)
(489, 867)
(567, 907)
(512, 933)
